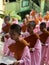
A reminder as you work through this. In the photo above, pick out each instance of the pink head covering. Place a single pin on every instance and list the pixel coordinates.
(14, 21)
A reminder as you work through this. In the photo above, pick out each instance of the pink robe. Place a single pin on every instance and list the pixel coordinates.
(36, 53)
(45, 53)
(25, 34)
(3, 25)
(47, 56)
(15, 22)
(44, 56)
(26, 58)
(6, 50)
(47, 23)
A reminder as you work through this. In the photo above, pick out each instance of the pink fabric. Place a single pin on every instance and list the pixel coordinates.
(26, 58)
(43, 57)
(39, 32)
(47, 56)
(3, 24)
(15, 22)
(36, 54)
(25, 34)
(21, 24)
(47, 23)
(44, 20)
(6, 49)
(45, 53)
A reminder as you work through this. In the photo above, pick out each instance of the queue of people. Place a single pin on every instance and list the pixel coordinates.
(28, 42)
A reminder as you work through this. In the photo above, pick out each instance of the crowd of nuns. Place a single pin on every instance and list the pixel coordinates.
(28, 42)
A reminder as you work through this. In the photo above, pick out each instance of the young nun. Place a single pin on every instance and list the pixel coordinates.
(23, 27)
(35, 44)
(42, 27)
(44, 37)
(20, 47)
(14, 21)
(24, 32)
(5, 27)
(46, 17)
(6, 37)
(40, 17)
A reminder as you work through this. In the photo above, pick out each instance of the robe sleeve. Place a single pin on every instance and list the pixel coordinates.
(26, 58)
(36, 54)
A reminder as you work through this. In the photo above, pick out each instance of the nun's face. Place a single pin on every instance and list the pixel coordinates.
(42, 28)
(30, 29)
(14, 35)
(6, 21)
(25, 21)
